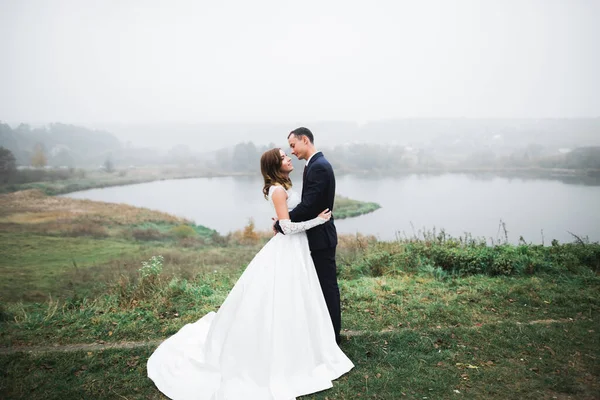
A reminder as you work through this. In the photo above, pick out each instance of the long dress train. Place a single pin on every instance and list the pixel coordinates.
(271, 339)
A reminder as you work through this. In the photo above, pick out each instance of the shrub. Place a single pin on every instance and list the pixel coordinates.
(249, 235)
(440, 255)
(503, 264)
(352, 248)
(378, 263)
(183, 231)
(150, 273)
(88, 228)
(192, 242)
(436, 272)
(151, 268)
(4, 314)
(147, 234)
(220, 240)
(574, 255)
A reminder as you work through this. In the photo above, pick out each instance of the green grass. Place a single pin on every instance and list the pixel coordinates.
(36, 267)
(32, 265)
(489, 362)
(369, 304)
(411, 336)
(348, 208)
(99, 375)
(375, 304)
(435, 317)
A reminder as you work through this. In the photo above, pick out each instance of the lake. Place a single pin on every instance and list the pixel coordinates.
(537, 209)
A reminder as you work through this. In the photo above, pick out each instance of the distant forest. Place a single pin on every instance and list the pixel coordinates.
(564, 144)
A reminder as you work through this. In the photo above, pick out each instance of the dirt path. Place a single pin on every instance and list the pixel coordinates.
(78, 347)
(132, 345)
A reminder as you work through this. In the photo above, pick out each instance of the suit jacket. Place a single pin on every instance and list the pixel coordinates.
(318, 193)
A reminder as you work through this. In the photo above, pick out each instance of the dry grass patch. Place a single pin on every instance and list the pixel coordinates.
(33, 207)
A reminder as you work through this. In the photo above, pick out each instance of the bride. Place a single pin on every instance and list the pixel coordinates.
(272, 338)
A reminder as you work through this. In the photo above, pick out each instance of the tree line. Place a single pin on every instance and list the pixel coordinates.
(69, 147)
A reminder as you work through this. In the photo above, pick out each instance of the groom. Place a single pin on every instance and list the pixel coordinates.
(318, 192)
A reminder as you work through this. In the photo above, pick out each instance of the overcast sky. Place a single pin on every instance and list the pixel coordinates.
(274, 61)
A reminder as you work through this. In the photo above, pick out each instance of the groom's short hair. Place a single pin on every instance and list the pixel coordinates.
(302, 131)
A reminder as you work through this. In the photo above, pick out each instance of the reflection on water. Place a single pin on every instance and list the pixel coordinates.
(537, 209)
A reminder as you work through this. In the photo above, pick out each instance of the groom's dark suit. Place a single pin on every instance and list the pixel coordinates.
(318, 193)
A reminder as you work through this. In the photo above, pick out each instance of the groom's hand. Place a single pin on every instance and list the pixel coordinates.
(276, 227)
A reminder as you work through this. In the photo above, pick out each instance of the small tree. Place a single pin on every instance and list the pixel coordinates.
(108, 165)
(250, 236)
(38, 159)
(7, 164)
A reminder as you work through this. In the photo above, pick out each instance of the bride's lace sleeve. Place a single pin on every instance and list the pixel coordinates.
(288, 227)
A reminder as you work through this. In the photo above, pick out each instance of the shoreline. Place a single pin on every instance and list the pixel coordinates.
(591, 177)
(99, 180)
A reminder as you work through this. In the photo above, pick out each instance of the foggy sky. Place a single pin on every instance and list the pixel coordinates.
(276, 61)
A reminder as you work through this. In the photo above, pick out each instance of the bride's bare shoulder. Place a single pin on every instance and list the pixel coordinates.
(277, 186)
(278, 192)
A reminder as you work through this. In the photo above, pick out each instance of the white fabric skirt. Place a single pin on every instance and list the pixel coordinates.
(272, 338)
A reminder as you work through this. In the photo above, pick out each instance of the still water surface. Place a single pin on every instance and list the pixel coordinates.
(458, 203)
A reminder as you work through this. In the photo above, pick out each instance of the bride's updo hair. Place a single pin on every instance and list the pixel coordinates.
(270, 167)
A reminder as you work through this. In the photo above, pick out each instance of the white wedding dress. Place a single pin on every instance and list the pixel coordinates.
(272, 338)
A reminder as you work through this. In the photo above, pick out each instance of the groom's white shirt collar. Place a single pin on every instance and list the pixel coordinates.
(310, 158)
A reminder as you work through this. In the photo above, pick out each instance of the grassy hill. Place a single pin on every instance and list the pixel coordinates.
(430, 317)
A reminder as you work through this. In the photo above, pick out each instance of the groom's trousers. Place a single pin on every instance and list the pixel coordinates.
(324, 260)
